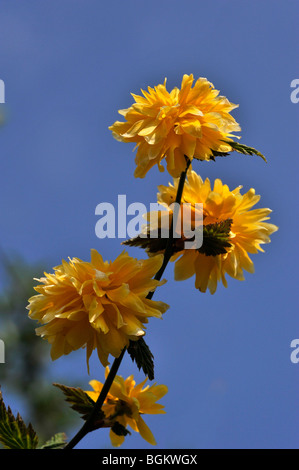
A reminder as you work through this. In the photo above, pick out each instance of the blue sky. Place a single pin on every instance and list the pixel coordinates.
(68, 66)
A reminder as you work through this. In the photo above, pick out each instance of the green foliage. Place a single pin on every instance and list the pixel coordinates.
(215, 241)
(241, 148)
(216, 238)
(79, 400)
(119, 429)
(14, 434)
(27, 357)
(151, 245)
(141, 354)
(58, 441)
(215, 153)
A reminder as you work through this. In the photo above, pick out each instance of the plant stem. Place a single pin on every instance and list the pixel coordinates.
(168, 249)
(87, 427)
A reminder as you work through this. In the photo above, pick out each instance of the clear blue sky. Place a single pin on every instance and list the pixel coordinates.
(68, 66)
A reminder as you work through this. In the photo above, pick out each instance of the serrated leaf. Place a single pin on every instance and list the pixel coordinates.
(14, 434)
(153, 245)
(79, 400)
(56, 442)
(141, 354)
(215, 153)
(245, 149)
(216, 238)
(119, 429)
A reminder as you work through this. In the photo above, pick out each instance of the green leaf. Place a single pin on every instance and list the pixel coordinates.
(119, 429)
(58, 441)
(154, 244)
(79, 400)
(215, 153)
(14, 434)
(216, 238)
(241, 148)
(215, 241)
(141, 354)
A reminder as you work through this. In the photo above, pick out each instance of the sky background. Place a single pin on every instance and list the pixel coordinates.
(68, 66)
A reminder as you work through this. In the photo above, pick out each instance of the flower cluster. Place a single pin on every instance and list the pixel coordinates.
(96, 304)
(105, 305)
(248, 230)
(125, 404)
(193, 122)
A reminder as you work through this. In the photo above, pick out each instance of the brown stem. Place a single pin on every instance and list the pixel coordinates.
(169, 246)
(88, 425)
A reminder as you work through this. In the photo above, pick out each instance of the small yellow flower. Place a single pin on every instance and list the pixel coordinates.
(191, 122)
(248, 230)
(98, 305)
(126, 402)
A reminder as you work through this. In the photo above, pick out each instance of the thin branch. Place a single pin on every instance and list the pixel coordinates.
(169, 249)
(88, 425)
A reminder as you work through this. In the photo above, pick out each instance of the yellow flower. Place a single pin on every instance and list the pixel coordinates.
(126, 402)
(248, 230)
(187, 121)
(98, 305)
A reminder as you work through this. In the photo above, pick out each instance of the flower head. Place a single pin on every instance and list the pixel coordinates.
(126, 402)
(221, 207)
(98, 305)
(192, 122)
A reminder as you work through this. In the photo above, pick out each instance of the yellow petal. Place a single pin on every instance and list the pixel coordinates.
(145, 431)
(184, 267)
